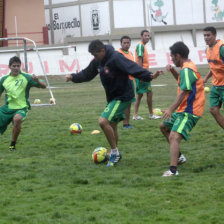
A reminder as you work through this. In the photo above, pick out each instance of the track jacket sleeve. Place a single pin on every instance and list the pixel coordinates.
(132, 68)
(86, 74)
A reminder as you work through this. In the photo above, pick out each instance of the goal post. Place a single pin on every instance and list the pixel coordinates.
(24, 39)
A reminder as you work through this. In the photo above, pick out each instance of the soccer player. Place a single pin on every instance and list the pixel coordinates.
(215, 57)
(16, 85)
(142, 59)
(189, 105)
(125, 45)
(113, 69)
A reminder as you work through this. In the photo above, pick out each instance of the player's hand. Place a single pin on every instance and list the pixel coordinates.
(169, 68)
(68, 78)
(167, 115)
(34, 77)
(157, 73)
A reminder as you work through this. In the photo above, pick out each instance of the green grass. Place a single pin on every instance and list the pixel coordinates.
(51, 178)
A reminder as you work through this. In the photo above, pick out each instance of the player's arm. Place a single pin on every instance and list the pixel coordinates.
(41, 84)
(207, 77)
(168, 113)
(85, 75)
(174, 72)
(129, 67)
(140, 61)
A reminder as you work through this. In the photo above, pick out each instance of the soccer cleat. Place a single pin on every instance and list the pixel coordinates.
(153, 116)
(114, 159)
(127, 126)
(12, 148)
(182, 159)
(137, 117)
(168, 173)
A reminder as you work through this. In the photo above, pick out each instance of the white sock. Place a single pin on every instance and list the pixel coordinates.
(114, 151)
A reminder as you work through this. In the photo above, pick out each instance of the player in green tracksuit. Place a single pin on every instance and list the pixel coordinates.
(16, 85)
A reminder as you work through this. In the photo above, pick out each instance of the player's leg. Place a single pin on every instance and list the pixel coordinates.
(139, 94)
(215, 111)
(17, 123)
(126, 123)
(108, 131)
(19, 117)
(182, 124)
(149, 102)
(136, 108)
(215, 101)
(165, 130)
(174, 140)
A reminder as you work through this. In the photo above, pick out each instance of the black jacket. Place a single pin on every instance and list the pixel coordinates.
(114, 70)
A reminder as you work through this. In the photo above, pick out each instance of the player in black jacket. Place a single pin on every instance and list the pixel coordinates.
(113, 69)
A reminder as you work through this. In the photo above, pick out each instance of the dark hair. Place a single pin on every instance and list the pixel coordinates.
(212, 29)
(144, 31)
(125, 37)
(96, 46)
(14, 59)
(180, 48)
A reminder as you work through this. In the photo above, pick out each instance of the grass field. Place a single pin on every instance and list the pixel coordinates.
(51, 178)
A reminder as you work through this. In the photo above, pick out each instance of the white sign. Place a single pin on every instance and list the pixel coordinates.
(133, 17)
(159, 13)
(66, 22)
(214, 11)
(189, 12)
(95, 19)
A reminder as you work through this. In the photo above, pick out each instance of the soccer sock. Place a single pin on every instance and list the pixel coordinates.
(114, 151)
(13, 143)
(173, 169)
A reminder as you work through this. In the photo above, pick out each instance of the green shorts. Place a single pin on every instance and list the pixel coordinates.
(133, 99)
(143, 87)
(6, 116)
(114, 111)
(182, 123)
(216, 96)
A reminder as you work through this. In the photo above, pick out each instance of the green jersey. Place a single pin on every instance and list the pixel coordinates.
(17, 90)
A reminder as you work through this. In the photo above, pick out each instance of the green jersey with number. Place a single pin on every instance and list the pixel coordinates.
(17, 90)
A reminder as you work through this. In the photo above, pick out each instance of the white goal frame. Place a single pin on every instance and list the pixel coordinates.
(24, 39)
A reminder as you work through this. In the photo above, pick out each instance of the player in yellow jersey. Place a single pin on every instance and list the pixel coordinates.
(16, 85)
(215, 57)
(125, 45)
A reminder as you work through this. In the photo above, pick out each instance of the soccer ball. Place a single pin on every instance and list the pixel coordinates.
(157, 112)
(100, 155)
(37, 101)
(207, 89)
(75, 128)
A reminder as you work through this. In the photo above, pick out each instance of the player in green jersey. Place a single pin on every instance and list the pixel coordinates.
(16, 85)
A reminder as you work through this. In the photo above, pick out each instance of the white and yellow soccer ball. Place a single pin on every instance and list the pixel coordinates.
(207, 89)
(52, 101)
(157, 112)
(100, 155)
(37, 101)
(75, 128)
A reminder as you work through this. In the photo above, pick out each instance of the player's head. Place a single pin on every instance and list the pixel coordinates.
(14, 65)
(179, 52)
(145, 36)
(14, 59)
(125, 43)
(210, 35)
(97, 49)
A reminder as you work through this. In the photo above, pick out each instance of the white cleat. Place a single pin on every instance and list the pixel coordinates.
(153, 116)
(182, 159)
(168, 173)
